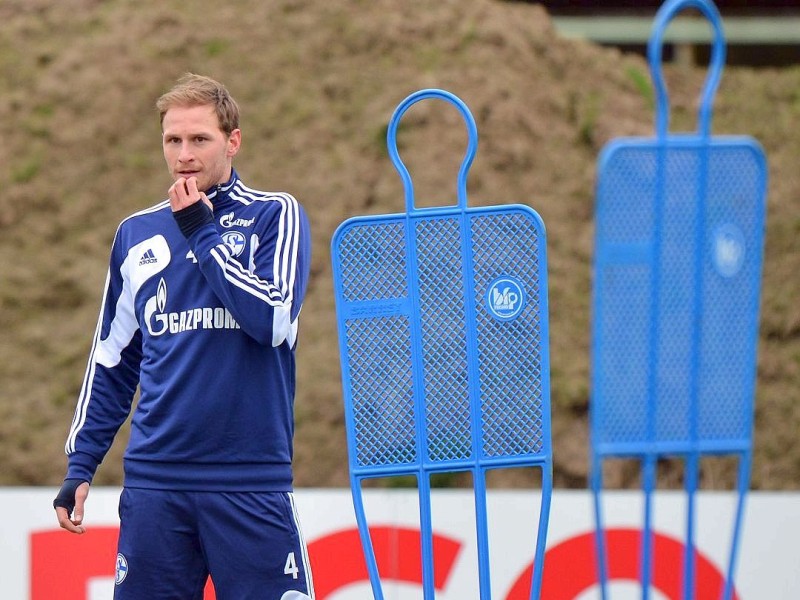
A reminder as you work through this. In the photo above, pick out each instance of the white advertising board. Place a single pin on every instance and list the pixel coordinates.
(38, 561)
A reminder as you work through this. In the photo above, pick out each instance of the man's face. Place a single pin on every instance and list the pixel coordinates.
(195, 146)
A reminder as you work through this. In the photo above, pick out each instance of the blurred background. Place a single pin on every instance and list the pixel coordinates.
(549, 83)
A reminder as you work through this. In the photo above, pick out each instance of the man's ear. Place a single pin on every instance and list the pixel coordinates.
(234, 142)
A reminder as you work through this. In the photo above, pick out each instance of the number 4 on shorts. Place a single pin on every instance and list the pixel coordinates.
(290, 568)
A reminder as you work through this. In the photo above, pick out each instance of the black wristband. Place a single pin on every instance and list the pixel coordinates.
(66, 495)
(193, 217)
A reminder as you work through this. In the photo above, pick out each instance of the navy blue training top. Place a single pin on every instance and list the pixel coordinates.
(207, 328)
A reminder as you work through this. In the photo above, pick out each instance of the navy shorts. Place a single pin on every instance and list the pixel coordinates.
(250, 544)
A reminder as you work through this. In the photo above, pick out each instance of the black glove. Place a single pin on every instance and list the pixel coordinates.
(193, 217)
(66, 495)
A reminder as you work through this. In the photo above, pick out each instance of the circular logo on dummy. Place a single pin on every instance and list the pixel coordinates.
(505, 298)
(235, 241)
(122, 569)
(728, 250)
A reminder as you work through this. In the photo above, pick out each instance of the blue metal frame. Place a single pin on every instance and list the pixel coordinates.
(679, 249)
(428, 301)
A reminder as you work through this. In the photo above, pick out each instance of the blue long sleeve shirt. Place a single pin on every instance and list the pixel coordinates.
(206, 327)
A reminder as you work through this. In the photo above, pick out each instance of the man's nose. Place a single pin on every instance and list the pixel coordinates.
(185, 154)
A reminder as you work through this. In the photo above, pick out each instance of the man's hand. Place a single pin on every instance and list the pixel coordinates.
(184, 193)
(71, 496)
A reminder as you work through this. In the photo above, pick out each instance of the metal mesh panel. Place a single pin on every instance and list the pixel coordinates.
(382, 390)
(373, 262)
(628, 216)
(509, 393)
(444, 364)
(509, 352)
(728, 328)
(674, 332)
(675, 344)
(622, 367)
(675, 295)
(444, 339)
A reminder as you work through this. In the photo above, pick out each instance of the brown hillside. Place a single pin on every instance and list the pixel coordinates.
(317, 82)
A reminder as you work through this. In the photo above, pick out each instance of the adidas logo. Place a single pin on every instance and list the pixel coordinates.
(148, 258)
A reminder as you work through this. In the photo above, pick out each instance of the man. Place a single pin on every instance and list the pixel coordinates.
(201, 312)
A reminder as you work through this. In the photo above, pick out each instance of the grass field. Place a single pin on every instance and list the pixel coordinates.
(317, 83)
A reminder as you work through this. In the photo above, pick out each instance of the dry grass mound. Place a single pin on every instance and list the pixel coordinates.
(317, 83)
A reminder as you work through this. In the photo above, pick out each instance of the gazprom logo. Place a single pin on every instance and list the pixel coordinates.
(505, 298)
(160, 322)
(230, 220)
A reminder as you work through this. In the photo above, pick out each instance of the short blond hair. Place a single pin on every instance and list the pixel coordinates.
(199, 90)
